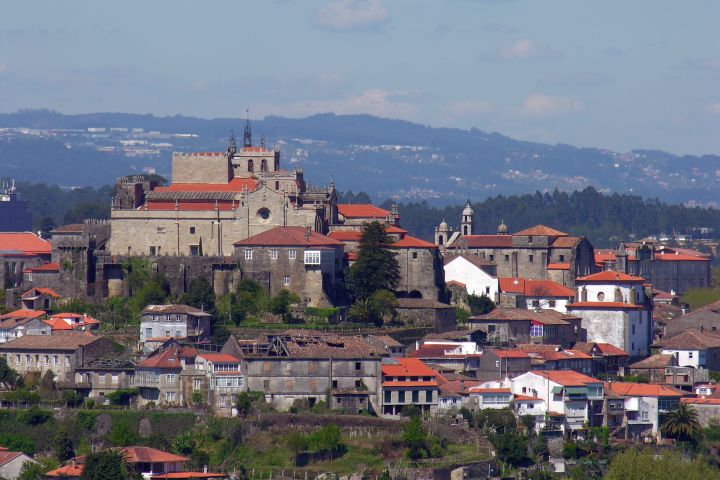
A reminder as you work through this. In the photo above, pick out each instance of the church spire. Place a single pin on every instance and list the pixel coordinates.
(247, 135)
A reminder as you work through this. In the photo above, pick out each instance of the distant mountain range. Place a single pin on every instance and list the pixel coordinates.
(385, 158)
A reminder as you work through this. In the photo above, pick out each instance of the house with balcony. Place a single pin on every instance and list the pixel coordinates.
(448, 355)
(644, 406)
(494, 398)
(159, 323)
(158, 376)
(224, 381)
(569, 398)
(528, 405)
(408, 382)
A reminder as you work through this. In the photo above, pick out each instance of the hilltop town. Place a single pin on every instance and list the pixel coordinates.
(242, 322)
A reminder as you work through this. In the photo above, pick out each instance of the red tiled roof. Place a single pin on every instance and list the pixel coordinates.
(234, 185)
(526, 398)
(510, 354)
(701, 401)
(346, 235)
(546, 317)
(42, 291)
(602, 256)
(490, 390)
(48, 267)
(188, 475)
(71, 470)
(485, 241)
(691, 339)
(628, 389)
(455, 282)
(659, 360)
(168, 358)
(610, 276)
(566, 242)
(534, 288)
(541, 230)
(419, 383)
(411, 242)
(6, 456)
(361, 210)
(604, 305)
(289, 237)
(558, 266)
(68, 315)
(606, 349)
(58, 324)
(191, 206)
(26, 242)
(219, 357)
(680, 257)
(136, 454)
(23, 313)
(566, 378)
(563, 355)
(408, 367)
(395, 229)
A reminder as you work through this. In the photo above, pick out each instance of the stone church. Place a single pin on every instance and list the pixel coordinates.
(214, 200)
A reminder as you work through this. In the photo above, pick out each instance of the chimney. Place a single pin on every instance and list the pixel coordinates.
(205, 468)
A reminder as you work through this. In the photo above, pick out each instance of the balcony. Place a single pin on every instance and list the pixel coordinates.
(145, 382)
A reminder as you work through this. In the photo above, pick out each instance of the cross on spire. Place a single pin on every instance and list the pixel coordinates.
(247, 135)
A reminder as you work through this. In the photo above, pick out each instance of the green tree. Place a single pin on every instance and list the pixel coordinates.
(183, 444)
(414, 437)
(200, 294)
(8, 376)
(328, 440)
(511, 448)
(62, 445)
(32, 471)
(376, 267)
(280, 303)
(244, 404)
(108, 465)
(480, 304)
(297, 443)
(636, 464)
(384, 306)
(681, 423)
(122, 434)
(500, 420)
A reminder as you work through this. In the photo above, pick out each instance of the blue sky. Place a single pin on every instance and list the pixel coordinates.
(612, 74)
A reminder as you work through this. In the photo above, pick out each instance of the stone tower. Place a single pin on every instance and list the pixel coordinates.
(466, 225)
(621, 262)
(442, 233)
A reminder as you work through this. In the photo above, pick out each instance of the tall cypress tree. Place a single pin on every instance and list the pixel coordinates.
(376, 267)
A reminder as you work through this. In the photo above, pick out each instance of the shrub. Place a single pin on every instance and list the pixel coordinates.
(34, 416)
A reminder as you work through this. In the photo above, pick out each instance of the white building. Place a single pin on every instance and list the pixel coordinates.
(477, 274)
(225, 380)
(694, 348)
(534, 294)
(567, 397)
(159, 323)
(614, 310)
(494, 398)
(645, 405)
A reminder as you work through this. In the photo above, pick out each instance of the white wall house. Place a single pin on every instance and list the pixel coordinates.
(566, 396)
(614, 310)
(645, 405)
(536, 294)
(471, 271)
(694, 348)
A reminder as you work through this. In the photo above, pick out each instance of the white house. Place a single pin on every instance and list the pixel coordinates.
(11, 463)
(568, 397)
(494, 398)
(477, 274)
(645, 405)
(614, 310)
(694, 348)
(535, 294)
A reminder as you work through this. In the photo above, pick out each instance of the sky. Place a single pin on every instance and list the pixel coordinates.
(615, 74)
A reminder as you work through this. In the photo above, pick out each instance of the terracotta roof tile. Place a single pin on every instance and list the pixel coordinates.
(6, 456)
(534, 288)
(627, 389)
(23, 313)
(411, 242)
(610, 276)
(510, 354)
(63, 341)
(558, 266)
(407, 367)
(476, 260)
(566, 242)
(166, 359)
(288, 236)
(546, 317)
(137, 454)
(219, 357)
(541, 230)
(604, 305)
(41, 291)
(566, 378)
(25, 242)
(47, 267)
(605, 349)
(345, 235)
(658, 360)
(691, 340)
(361, 210)
(234, 185)
(483, 241)
(69, 228)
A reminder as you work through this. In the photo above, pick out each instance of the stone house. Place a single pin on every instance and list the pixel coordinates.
(539, 252)
(103, 375)
(158, 376)
(295, 259)
(495, 364)
(343, 371)
(160, 322)
(391, 346)
(705, 318)
(19, 251)
(615, 309)
(653, 368)
(60, 353)
(224, 381)
(408, 382)
(425, 312)
(22, 322)
(693, 348)
(39, 299)
(516, 325)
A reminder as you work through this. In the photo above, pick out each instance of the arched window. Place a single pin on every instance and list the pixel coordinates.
(440, 240)
(263, 165)
(465, 230)
(251, 166)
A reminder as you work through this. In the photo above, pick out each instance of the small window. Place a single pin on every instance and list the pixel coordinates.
(562, 258)
(536, 303)
(491, 258)
(551, 303)
(334, 384)
(358, 366)
(292, 254)
(414, 255)
(358, 384)
(170, 378)
(248, 254)
(273, 254)
(153, 251)
(192, 230)
(286, 280)
(148, 332)
(530, 239)
(530, 258)
(507, 258)
(601, 296)
(690, 354)
(194, 250)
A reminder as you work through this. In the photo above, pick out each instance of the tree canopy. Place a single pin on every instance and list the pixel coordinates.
(376, 267)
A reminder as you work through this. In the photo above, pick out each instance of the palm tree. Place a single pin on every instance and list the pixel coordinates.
(681, 423)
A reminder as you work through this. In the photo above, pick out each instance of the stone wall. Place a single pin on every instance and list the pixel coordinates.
(213, 167)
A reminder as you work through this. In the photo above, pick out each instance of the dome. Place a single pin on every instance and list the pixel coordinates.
(468, 209)
(502, 228)
(443, 225)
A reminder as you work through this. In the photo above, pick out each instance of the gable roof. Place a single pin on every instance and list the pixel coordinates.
(546, 317)
(6, 456)
(534, 288)
(691, 339)
(23, 313)
(346, 235)
(407, 367)
(566, 378)
(288, 237)
(411, 242)
(628, 389)
(610, 276)
(137, 454)
(173, 308)
(166, 359)
(510, 353)
(69, 470)
(659, 360)
(361, 210)
(482, 241)
(475, 260)
(41, 291)
(26, 243)
(541, 230)
(47, 267)
(63, 341)
(219, 357)
(605, 349)
(58, 324)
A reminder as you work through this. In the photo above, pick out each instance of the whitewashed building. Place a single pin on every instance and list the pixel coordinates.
(477, 274)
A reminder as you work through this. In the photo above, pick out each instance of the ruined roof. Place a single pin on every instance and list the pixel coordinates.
(546, 317)
(288, 237)
(691, 339)
(312, 345)
(60, 341)
(361, 210)
(604, 305)
(659, 360)
(174, 309)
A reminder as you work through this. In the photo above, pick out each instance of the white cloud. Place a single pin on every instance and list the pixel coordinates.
(382, 103)
(524, 49)
(714, 108)
(540, 105)
(341, 15)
